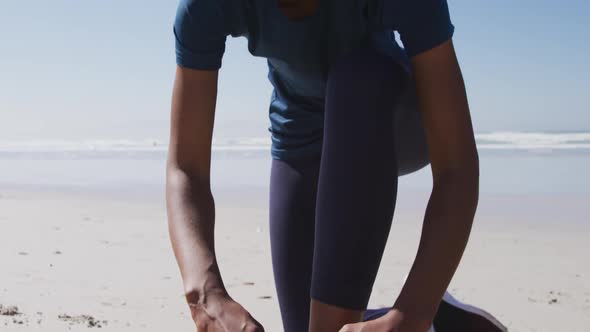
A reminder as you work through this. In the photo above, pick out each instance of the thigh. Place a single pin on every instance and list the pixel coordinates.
(292, 217)
(358, 178)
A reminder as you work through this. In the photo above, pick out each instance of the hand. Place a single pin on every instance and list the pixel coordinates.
(393, 321)
(220, 313)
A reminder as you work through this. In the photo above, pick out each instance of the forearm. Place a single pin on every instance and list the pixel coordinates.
(447, 225)
(191, 221)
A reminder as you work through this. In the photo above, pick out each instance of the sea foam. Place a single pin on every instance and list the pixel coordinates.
(493, 140)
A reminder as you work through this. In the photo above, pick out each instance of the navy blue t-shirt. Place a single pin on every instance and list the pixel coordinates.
(299, 53)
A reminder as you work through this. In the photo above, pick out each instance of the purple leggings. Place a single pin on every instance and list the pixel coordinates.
(330, 215)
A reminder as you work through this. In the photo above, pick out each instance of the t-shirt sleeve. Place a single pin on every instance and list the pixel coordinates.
(422, 24)
(200, 33)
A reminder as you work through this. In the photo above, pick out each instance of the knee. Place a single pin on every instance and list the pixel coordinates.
(351, 298)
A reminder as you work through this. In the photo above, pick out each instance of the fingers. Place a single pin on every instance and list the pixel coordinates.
(227, 316)
(201, 326)
(370, 326)
(351, 328)
(253, 326)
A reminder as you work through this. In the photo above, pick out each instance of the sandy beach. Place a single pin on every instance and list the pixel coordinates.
(74, 259)
(90, 93)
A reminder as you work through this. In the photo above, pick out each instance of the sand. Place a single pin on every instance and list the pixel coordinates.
(73, 260)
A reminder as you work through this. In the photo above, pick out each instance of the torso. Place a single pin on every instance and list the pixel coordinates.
(299, 55)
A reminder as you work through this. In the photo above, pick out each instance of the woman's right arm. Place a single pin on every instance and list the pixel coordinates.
(190, 204)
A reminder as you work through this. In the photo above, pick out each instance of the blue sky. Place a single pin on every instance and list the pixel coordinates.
(104, 68)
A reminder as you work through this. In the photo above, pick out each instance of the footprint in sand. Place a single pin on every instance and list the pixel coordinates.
(553, 297)
(18, 321)
(82, 319)
(9, 310)
(14, 312)
(40, 319)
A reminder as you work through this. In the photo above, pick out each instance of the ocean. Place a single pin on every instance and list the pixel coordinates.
(512, 163)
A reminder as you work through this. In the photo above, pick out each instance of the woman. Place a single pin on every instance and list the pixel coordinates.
(339, 142)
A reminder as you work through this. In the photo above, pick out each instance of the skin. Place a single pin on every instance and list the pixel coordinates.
(446, 227)
(453, 201)
(451, 208)
(191, 208)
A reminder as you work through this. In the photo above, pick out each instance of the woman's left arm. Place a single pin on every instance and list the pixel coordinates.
(455, 170)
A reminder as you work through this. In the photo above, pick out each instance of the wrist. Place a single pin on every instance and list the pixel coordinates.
(416, 312)
(203, 297)
(210, 302)
(411, 321)
(201, 291)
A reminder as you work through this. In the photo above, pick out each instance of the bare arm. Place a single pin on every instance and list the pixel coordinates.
(455, 170)
(190, 205)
